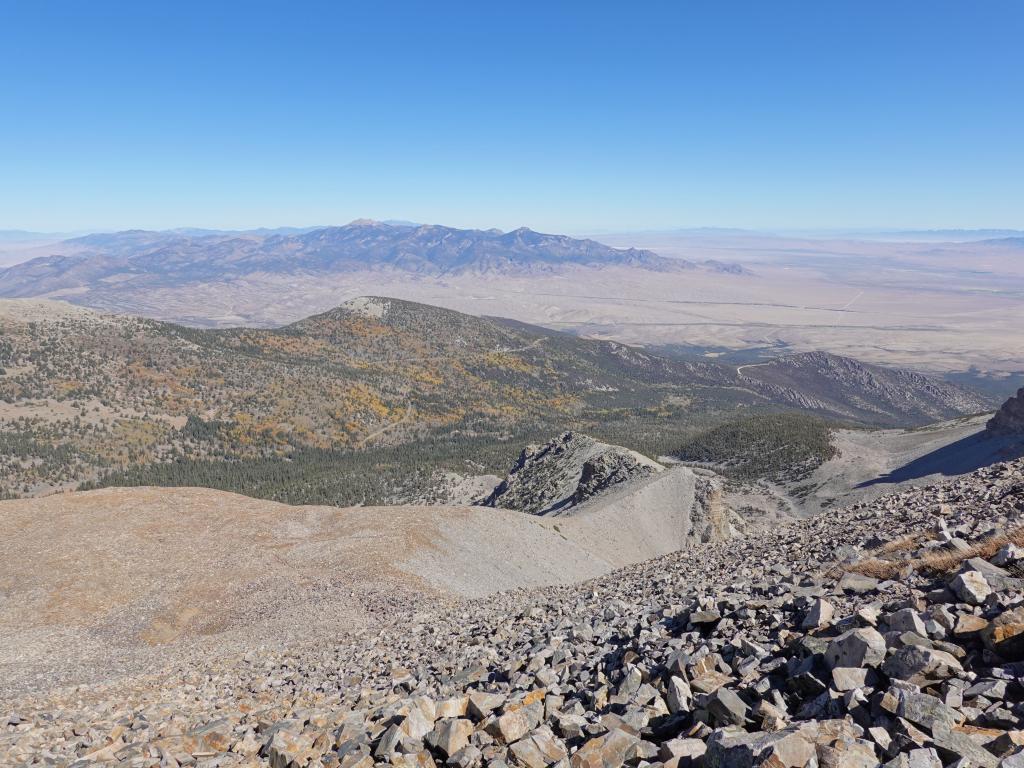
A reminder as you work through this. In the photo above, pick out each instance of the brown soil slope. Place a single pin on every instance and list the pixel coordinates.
(99, 583)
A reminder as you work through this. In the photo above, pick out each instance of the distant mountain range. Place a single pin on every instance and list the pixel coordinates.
(140, 259)
(1009, 242)
(27, 236)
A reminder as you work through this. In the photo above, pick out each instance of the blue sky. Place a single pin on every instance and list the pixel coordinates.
(558, 116)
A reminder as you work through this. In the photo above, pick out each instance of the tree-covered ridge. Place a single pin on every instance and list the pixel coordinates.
(85, 395)
(779, 446)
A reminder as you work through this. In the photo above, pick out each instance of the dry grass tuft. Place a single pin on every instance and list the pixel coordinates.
(936, 563)
(906, 543)
(877, 568)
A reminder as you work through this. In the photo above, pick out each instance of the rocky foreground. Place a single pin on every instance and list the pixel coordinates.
(890, 633)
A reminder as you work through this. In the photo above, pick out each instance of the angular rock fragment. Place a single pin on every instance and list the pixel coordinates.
(449, 736)
(739, 749)
(819, 614)
(971, 587)
(863, 647)
(608, 751)
(727, 708)
(1005, 634)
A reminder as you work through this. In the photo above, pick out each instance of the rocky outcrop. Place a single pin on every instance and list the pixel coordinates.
(711, 519)
(567, 471)
(1008, 420)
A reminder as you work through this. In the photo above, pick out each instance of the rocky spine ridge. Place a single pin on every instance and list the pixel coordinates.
(565, 472)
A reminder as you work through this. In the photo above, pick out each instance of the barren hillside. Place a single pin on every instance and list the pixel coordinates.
(113, 579)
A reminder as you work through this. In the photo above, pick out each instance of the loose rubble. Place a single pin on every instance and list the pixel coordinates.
(890, 633)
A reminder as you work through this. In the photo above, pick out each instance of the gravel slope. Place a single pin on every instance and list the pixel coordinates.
(116, 581)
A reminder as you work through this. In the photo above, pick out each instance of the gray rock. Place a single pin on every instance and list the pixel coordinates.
(956, 745)
(727, 708)
(680, 698)
(971, 587)
(1008, 554)
(467, 757)
(738, 749)
(907, 620)
(926, 711)
(923, 758)
(857, 583)
(849, 678)
(691, 750)
(819, 614)
(917, 664)
(608, 751)
(450, 736)
(863, 647)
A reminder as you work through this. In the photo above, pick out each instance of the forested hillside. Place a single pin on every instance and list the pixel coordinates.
(97, 398)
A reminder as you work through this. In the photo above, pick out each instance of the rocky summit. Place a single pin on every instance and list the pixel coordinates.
(888, 633)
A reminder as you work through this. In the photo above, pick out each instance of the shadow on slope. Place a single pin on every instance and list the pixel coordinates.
(958, 458)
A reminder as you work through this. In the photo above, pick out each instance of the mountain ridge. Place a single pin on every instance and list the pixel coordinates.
(135, 259)
(85, 394)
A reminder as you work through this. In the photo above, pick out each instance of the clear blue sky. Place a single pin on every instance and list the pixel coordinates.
(559, 116)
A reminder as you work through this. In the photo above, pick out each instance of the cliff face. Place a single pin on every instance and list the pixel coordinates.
(1009, 420)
